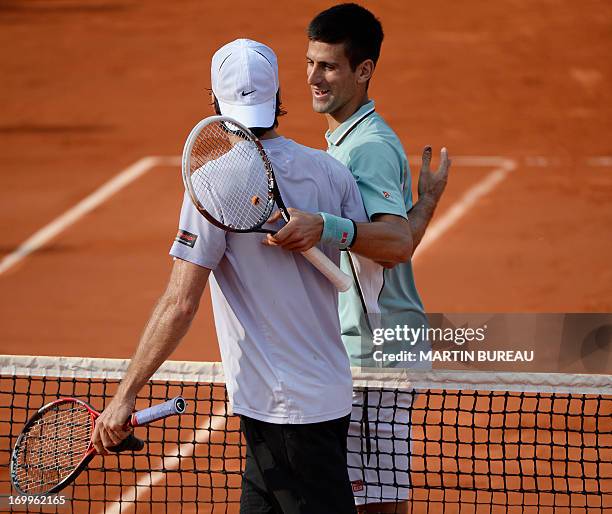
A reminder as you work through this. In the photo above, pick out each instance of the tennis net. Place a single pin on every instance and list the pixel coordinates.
(479, 442)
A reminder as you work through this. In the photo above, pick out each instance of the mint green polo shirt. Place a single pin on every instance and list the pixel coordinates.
(374, 154)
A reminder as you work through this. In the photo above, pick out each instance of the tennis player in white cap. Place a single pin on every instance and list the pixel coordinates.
(287, 372)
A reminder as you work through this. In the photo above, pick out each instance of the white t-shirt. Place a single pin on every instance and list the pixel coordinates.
(276, 315)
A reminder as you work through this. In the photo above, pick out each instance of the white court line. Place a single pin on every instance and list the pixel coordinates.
(216, 422)
(168, 161)
(603, 160)
(459, 208)
(538, 161)
(489, 161)
(71, 216)
(142, 166)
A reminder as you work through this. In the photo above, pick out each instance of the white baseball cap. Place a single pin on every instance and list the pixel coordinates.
(244, 77)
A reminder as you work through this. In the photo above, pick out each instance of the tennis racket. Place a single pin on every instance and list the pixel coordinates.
(230, 180)
(54, 446)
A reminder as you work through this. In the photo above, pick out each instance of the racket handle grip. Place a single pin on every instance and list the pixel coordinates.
(130, 443)
(326, 266)
(156, 412)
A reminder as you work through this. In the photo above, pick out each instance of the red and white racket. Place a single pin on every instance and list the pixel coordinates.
(55, 446)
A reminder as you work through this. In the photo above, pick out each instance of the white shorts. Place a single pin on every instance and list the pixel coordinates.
(385, 475)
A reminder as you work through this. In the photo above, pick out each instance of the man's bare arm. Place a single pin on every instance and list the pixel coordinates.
(169, 322)
(388, 239)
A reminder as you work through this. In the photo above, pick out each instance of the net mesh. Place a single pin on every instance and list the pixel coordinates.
(469, 451)
(228, 177)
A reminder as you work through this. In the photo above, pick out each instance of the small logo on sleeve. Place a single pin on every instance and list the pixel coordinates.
(186, 238)
(386, 194)
(344, 237)
(357, 486)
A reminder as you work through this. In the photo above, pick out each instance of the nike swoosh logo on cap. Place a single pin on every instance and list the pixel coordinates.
(247, 93)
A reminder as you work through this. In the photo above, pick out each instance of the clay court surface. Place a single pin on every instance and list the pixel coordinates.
(519, 91)
(90, 88)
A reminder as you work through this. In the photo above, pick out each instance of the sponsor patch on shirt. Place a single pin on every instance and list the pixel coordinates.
(357, 486)
(186, 238)
(386, 194)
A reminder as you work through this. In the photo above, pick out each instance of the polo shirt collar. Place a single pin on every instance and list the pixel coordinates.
(337, 136)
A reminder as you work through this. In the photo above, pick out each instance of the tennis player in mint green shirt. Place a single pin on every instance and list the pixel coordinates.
(344, 46)
(371, 150)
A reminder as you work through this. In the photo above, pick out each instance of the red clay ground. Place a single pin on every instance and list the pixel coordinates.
(91, 87)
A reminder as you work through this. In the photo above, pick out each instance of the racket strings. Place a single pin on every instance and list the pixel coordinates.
(52, 447)
(229, 177)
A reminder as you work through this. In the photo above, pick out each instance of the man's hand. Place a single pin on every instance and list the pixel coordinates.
(301, 233)
(110, 426)
(432, 184)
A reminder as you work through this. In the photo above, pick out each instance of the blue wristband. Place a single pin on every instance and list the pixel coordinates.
(337, 231)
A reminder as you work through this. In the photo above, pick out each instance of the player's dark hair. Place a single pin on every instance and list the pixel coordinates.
(259, 131)
(354, 26)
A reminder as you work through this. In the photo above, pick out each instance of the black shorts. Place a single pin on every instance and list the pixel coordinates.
(296, 469)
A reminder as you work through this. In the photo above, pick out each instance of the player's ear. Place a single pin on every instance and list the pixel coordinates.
(365, 70)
